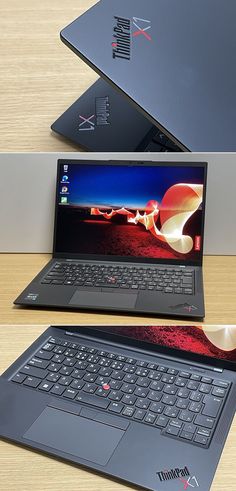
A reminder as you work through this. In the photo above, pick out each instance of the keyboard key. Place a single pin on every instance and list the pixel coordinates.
(207, 380)
(220, 383)
(150, 418)
(196, 396)
(70, 393)
(140, 392)
(19, 378)
(32, 382)
(129, 399)
(65, 380)
(204, 421)
(45, 386)
(196, 377)
(58, 390)
(143, 382)
(162, 421)
(204, 431)
(212, 406)
(176, 423)
(190, 428)
(205, 388)
(77, 384)
(186, 416)
(48, 347)
(201, 439)
(128, 411)
(139, 414)
(172, 412)
(169, 400)
(218, 391)
(34, 372)
(195, 407)
(172, 430)
(156, 407)
(90, 388)
(44, 354)
(182, 403)
(114, 395)
(116, 407)
(142, 403)
(53, 377)
(186, 435)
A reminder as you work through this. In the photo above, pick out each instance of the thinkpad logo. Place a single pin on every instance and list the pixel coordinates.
(173, 474)
(183, 475)
(100, 116)
(124, 33)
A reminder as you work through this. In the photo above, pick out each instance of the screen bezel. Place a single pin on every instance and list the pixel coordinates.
(127, 259)
(100, 333)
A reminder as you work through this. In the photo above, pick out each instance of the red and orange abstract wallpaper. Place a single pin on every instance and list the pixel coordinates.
(214, 341)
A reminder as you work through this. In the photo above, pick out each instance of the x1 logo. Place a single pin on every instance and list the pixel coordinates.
(90, 124)
(191, 482)
(142, 30)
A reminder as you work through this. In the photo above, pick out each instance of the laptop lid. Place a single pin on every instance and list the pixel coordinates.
(213, 345)
(144, 212)
(172, 59)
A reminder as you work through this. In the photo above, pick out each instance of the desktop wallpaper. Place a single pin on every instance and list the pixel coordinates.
(138, 211)
(214, 341)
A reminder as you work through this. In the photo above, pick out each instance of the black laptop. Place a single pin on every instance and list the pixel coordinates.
(167, 76)
(151, 405)
(128, 237)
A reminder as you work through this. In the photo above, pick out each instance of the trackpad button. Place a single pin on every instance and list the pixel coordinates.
(81, 437)
(103, 299)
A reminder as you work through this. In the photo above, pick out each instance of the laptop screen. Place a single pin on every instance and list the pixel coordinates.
(215, 341)
(150, 211)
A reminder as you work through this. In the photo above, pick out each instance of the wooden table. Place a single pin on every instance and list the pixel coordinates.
(25, 470)
(17, 270)
(39, 76)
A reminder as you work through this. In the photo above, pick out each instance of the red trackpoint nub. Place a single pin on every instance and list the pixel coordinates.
(106, 386)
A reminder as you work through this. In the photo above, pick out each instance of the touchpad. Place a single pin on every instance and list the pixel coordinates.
(75, 435)
(103, 299)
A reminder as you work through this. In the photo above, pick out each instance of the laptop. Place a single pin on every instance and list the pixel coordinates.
(128, 237)
(151, 405)
(167, 76)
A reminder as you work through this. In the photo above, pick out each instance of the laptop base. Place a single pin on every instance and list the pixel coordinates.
(139, 453)
(102, 120)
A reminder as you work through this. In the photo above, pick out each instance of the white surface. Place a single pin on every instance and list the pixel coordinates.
(27, 194)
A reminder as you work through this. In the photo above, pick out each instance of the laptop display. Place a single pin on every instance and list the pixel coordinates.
(148, 212)
(217, 342)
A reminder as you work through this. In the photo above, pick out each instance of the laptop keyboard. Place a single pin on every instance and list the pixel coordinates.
(166, 280)
(184, 405)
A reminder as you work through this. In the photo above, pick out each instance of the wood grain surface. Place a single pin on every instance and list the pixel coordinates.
(39, 76)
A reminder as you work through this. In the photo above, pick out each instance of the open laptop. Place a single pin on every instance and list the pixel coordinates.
(151, 405)
(128, 237)
(168, 76)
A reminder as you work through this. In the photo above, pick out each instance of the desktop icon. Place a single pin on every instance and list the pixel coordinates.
(63, 199)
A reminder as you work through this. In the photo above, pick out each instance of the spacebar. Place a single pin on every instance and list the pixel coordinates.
(93, 400)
